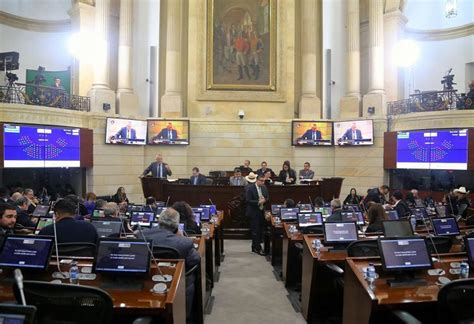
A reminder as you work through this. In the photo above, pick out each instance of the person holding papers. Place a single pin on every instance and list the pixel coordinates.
(158, 169)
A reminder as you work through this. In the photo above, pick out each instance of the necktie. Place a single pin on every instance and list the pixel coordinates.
(314, 135)
(128, 134)
(354, 135)
(159, 171)
(195, 180)
(238, 181)
(170, 136)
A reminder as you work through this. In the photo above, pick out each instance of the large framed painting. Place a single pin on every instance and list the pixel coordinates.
(241, 45)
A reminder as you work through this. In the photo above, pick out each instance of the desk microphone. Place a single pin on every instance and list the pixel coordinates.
(311, 201)
(167, 201)
(431, 238)
(149, 249)
(211, 202)
(19, 282)
(59, 274)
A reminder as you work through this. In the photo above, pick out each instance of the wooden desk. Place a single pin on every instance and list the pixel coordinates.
(128, 304)
(276, 239)
(289, 256)
(362, 304)
(218, 239)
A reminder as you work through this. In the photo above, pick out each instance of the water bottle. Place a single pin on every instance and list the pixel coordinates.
(74, 273)
(317, 245)
(371, 274)
(413, 222)
(464, 273)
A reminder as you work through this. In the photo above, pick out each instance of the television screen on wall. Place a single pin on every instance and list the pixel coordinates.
(125, 131)
(168, 132)
(354, 132)
(311, 133)
(435, 149)
(39, 146)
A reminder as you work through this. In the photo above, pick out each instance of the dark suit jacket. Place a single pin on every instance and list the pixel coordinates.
(348, 134)
(164, 134)
(122, 133)
(23, 218)
(251, 196)
(282, 176)
(153, 168)
(260, 172)
(70, 230)
(402, 209)
(201, 179)
(308, 135)
(184, 245)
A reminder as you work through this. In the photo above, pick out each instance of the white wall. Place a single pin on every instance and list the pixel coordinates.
(37, 9)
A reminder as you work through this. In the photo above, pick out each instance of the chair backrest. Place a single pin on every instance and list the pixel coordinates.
(66, 303)
(455, 301)
(10, 312)
(81, 249)
(312, 230)
(443, 244)
(166, 252)
(209, 181)
(363, 248)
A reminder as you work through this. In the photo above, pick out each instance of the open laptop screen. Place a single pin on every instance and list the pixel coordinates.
(404, 253)
(122, 256)
(42, 222)
(392, 215)
(305, 208)
(397, 228)
(469, 244)
(288, 214)
(357, 217)
(107, 228)
(23, 251)
(419, 213)
(309, 219)
(445, 226)
(326, 211)
(142, 218)
(276, 209)
(205, 212)
(41, 211)
(212, 208)
(340, 232)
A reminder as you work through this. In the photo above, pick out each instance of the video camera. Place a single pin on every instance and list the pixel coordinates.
(12, 77)
(447, 80)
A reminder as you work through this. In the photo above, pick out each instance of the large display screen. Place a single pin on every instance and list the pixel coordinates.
(354, 132)
(442, 149)
(168, 132)
(311, 133)
(125, 131)
(30, 146)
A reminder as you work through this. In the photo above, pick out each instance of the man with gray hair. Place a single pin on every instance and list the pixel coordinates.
(22, 216)
(111, 210)
(336, 215)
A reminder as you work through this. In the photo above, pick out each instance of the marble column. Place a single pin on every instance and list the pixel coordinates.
(101, 94)
(350, 103)
(172, 101)
(376, 96)
(311, 74)
(127, 101)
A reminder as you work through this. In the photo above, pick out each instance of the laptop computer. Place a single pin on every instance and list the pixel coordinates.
(310, 219)
(392, 215)
(42, 222)
(107, 228)
(350, 216)
(340, 233)
(289, 214)
(26, 252)
(447, 226)
(142, 218)
(394, 228)
(41, 211)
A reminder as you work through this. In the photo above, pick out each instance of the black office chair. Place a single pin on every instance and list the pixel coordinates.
(166, 252)
(209, 181)
(442, 243)
(455, 301)
(11, 311)
(81, 249)
(363, 248)
(66, 303)
(312, 230)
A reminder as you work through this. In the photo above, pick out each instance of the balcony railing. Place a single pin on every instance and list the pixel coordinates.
(30, 94)
(431, 101)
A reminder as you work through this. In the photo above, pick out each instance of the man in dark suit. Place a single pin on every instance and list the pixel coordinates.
(167, 133)
(168, 235)
(22, 216)
(158, 169)
(352, 133)
(256, 196)
(197, 178)
(263, 169)
(312, 134)
(377, 195)
(127, 132)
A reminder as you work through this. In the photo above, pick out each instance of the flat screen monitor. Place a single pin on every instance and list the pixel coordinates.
(392, 215)
(42, 222)
(28, 252)
(326, 211)
(127, 256)
(340, 232)
(397, 228)
(447, 226)
(212, 208)
(159, 210)
(419, 213)
(357, 217)
(107, 228)
(435, 149)
(441, 210)
(289, 214)
(469, 244)
(41, 211)
(309, 219)
(409, 253)
(349, 207)
(182, 227)
(205, 213)
(305, 208)
(40, 146)
(354, 132)
(98, 213)
(125, 131)
(276, 209)
(311, 133)
(168, 132)
(142, 218)
(132, 208)
(17, 314)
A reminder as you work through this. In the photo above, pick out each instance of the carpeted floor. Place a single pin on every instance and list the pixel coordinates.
(247, 291)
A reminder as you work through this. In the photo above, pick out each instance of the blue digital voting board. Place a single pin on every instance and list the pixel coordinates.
(29, 146)
(444, 149)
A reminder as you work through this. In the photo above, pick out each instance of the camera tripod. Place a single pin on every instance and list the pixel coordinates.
(11, 94)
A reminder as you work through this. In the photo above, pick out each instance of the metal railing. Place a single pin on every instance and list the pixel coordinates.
(431, 101)
(30, 94)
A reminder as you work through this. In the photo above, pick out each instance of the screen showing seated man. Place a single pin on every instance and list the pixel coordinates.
(392, 215)
(396, 228)
(107, 228)
(203, 211)
(311, 133)
(340, 232)
(445, 226)
(125, 131)
(31, 252)
(357, 217)
(276, 209)
(287, 214)
(469, 244)
(168, 132)
(43, 222)
(310, 219)
(122, 256)
(404, 254)
(354, 132)
(142, 218)
(305, 208)
(419, 213)
(41, 211)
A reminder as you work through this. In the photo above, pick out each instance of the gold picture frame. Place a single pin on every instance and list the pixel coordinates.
(241, 45)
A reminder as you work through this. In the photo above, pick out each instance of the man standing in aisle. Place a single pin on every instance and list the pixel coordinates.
(158, 169)
(256, 197)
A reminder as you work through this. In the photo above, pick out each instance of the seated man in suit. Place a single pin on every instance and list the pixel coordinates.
(336, 215)
(22, 215)
(306, 173)
(246, 167)
(158, 169)
(263, 169)
(127, 132)
(352, 133)
(197, 178)
(69, 230)
(312, 134)
(167, 133)
(237, 179)
(169, 235)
